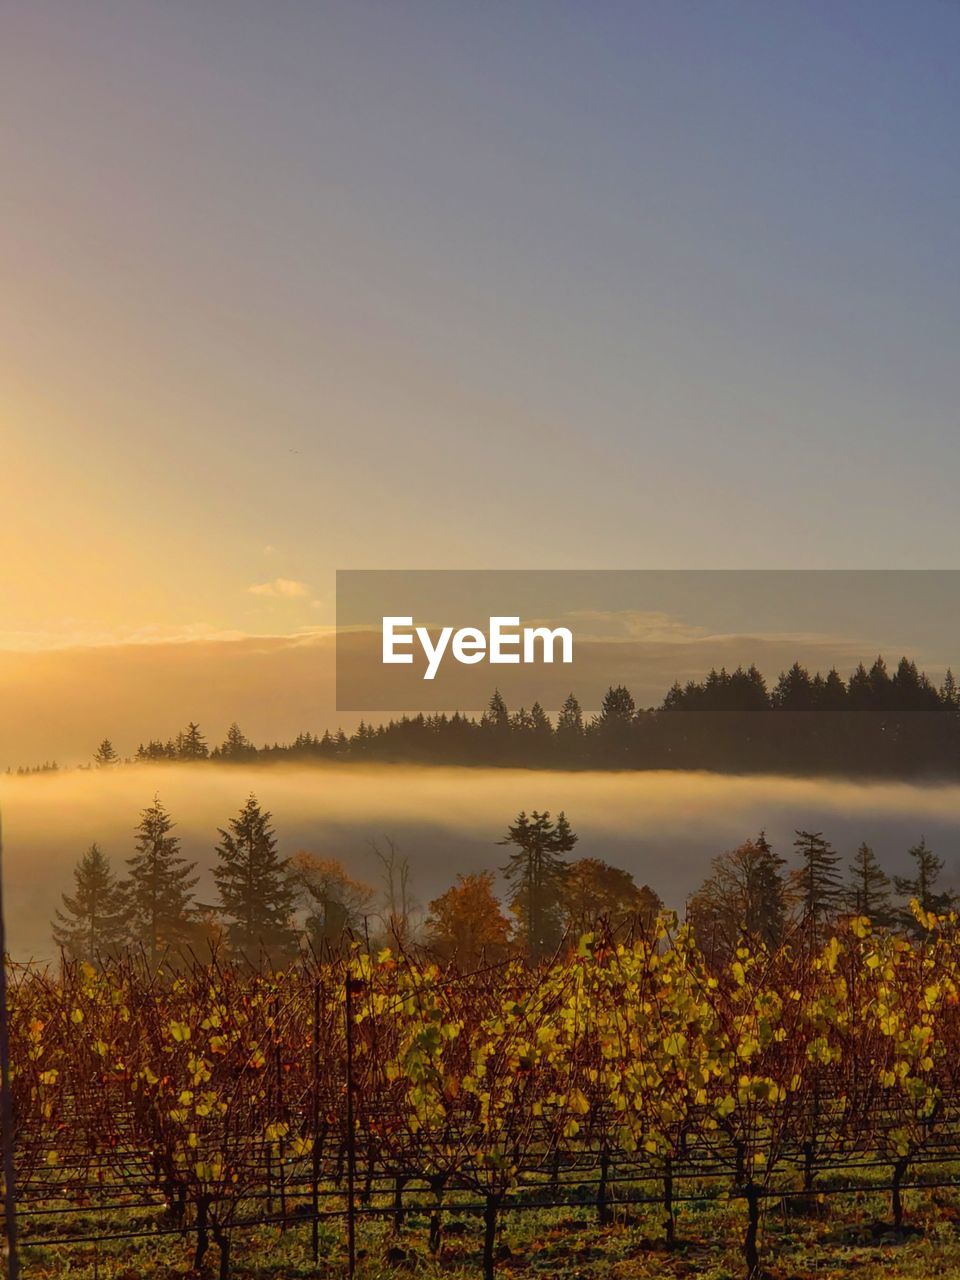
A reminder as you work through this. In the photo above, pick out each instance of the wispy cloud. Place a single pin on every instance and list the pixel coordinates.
(280, 589)
(93, 636)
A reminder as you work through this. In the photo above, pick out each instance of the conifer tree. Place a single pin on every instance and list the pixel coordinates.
(570, 728)
(869, 891)
(922, 884)
(541, 728)
(105, 755)
(160, 885)
(496, 718)
(92, 921)
(237, 746)
(613, 727)
(817, 883)
(191, 744)
(950, 692)
(536, 872)
(255, 892)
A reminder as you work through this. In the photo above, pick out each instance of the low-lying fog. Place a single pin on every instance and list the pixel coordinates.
(664, 827)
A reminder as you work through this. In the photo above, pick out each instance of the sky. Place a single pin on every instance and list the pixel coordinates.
(290, 288)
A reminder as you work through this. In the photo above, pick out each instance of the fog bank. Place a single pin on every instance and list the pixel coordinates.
(664, 827)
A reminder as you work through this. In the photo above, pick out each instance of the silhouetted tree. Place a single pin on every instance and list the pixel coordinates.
(256, 896)
(105, 755)
(922, 885)
(612, 729)
(92, 922)
(794, 690)
(817, 882)
(191, 744)
(160, 884)
(868, 893)
(535, 872)
(236, 746)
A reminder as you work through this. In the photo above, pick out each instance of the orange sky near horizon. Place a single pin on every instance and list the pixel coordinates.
(346, 286)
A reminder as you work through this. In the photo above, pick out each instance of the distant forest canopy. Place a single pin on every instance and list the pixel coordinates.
(876, 722)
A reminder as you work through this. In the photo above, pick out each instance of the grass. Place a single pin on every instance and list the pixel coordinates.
(844, 1235)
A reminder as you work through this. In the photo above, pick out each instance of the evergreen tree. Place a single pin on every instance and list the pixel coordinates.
(570, 730)
(237, 746)
(536, 873)
(191, 744)
(256, 895)
(880, 684)
(570, 720)
(869, 890)
(613, 727)
(922, 885)
(794, 690)
(496, 719)
(92, 922)
(817, 882)
(105, 755)
(161, 884)
(950, 692)
(833, 696)
(542, 729)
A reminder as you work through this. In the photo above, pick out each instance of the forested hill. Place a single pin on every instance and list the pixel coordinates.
(893, 723)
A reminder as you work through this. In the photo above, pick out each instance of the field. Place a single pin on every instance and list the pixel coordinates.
(620, 1111)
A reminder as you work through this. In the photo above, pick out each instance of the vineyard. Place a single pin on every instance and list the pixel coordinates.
(622, 1074)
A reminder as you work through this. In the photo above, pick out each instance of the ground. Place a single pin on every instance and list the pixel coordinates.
(842, 1235)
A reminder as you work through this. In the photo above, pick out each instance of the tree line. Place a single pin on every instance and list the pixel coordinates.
(272, 907)
(750, 893)
(875, 722)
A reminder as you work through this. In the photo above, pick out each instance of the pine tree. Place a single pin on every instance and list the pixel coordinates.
(766, 909)
(161, 883)
(922, 885)
(105, 755)
(570, 720)
(536, 872)
(496, 718)
(794, 690)
(869, 890)
(541, 726)
(817, 883)
(950, 692)
(570, 730)
(833, 696)
(237, 746)
(191, 744)
(613, 727)
(255, 893)
(92, 921)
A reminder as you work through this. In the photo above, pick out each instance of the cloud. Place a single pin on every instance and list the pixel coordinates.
(92, 636)
(280, 588)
